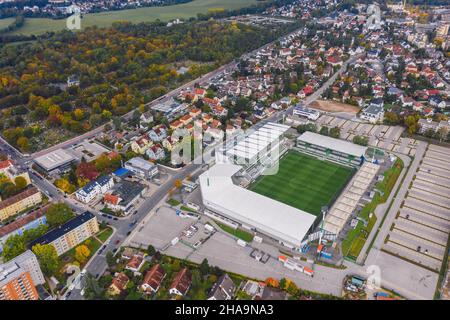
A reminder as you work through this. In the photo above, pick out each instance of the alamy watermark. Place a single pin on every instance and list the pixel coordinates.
(73, 22)
(248, 148)
(374, 20)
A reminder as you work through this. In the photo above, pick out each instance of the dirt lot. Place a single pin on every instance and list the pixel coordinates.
(333, 106)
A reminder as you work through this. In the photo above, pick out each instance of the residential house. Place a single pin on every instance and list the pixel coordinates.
(119, 284)
(158, 133)
(155, 152)
(145, 119)
(153, 279)
(223, 289)
(136, 262)
(140, 145)
(94, 188)
(181, 283)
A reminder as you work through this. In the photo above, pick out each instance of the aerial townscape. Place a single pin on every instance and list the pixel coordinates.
(224, 150)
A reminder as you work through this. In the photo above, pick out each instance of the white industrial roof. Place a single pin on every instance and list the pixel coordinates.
(54, 159)
(141, 163)
(333, 144)
(266, 215)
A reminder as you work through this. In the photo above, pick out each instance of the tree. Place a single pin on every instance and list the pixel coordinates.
(360, 140)
(82, 253)
(20, 183)
(411, 124)
(58, 214)
(14, 246)
(204, 267)
(151, 250)
(23, 143)
(335, 132)
(306, 127)
(271, 282)
(391, 118)
(47, 257)
(442, 134)
(324, 131)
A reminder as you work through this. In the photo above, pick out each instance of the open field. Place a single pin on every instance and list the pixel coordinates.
(333, 106)
(304, 182)
(38, 26)
(6, 22)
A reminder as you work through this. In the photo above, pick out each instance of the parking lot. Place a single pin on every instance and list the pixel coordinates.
(381, 136)
(160, 229)
(421, 228)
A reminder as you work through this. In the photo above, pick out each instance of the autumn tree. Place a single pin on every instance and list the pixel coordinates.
(82, 253)
(20, 182)
(47, 257)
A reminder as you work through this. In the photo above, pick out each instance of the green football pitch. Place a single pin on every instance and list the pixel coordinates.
(304, 182)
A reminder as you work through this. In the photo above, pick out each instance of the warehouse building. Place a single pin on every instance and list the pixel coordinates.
(141, 168)
(302, 111)
(332, 149)
(55, 161)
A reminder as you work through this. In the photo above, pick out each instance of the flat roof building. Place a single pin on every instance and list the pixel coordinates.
(301, 110)
(71, 233)
(257, 146)
(89, 150)
(331, 148)
(141, 167)
(58, 160)
(19, 278)
(284, 223)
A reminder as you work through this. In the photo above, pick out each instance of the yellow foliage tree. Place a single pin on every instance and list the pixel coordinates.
(82, 253)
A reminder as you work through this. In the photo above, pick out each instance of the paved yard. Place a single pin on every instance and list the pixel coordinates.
(420, 231)
(160, 229)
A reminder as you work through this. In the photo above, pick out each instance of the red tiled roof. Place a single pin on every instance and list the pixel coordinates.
(182, 281)
(110, 198)
(19, 223)
(18, 197)
(5, 164)
(154, 276)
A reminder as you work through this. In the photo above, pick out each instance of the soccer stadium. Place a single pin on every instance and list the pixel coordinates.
(265, 183)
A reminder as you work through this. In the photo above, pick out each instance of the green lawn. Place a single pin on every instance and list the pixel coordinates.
(105, 234)
(356, 238)
(241, 234)
(39, 26)
(304, 182)
(173, 202)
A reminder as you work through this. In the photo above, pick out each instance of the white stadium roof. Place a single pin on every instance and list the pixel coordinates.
(257, 141)
(333, 144)
(268, 216)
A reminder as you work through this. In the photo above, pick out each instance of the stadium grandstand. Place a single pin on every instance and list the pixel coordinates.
(332, 149)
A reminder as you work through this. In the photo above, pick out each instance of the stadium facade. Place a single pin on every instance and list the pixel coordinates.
(241, 161)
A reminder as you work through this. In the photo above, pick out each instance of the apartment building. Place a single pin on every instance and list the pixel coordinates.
(19, 278)
(15, 204)
(70, 234)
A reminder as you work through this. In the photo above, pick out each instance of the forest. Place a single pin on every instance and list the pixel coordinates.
(119, 69)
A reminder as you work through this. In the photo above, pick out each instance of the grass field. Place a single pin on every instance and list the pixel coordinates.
(39, 26)
(304, 182)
